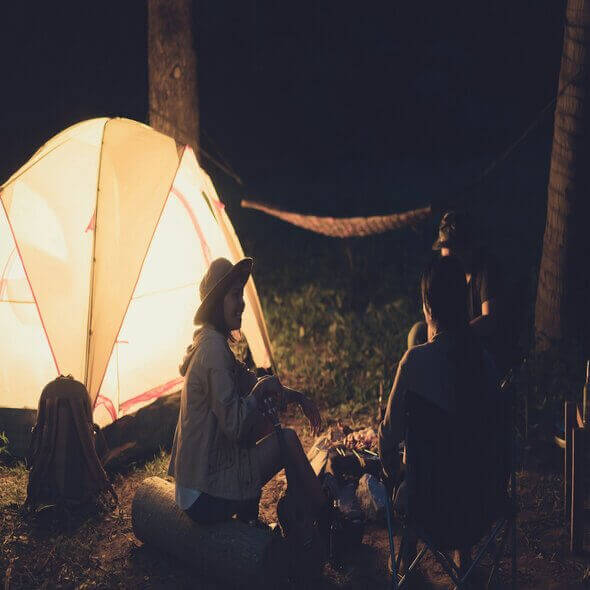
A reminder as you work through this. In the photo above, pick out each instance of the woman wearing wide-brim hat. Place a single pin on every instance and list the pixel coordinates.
(222, 453)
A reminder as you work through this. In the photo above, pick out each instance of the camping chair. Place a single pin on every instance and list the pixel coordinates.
(457, 477)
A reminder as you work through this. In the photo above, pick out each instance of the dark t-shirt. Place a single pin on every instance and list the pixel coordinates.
(485, 283)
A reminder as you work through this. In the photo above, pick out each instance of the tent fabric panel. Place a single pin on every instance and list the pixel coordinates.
(255, 328)
(137, 168)
(111, 190)
(146, 356)
(49, 207)
(189, 187)
(89, 132)
(144, 363)
(253, 325)
(27, 364)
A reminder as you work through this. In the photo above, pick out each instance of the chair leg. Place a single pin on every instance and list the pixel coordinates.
(505, 528)
(400, 552)
(411, 567)
(394, 562)
(490, 545)
(513, 572)
(499, 553)
(448, 565)
(463, 557)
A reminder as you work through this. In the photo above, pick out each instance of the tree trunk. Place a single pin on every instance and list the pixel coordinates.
(562, 310)
(172, 71)
(232, 552)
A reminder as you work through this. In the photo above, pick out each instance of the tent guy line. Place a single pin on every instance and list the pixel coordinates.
(223, 166)
(161, 291)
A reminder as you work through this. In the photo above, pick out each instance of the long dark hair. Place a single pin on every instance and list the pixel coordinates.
(444, 293)
(216, 318)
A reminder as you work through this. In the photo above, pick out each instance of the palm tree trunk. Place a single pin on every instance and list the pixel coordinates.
(172, 71)
(562, 307)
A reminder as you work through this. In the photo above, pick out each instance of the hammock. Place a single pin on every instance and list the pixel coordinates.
(345, 227)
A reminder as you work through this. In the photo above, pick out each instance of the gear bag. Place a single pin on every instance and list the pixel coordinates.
(64, 467)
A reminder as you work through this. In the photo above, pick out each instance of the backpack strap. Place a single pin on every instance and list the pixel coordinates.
(86, 435)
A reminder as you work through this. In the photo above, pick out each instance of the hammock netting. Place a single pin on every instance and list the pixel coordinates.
(345, 227)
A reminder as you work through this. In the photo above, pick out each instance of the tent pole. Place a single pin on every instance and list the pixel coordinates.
(92, 264)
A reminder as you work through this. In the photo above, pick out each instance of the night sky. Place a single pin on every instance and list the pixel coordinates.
(312, 102)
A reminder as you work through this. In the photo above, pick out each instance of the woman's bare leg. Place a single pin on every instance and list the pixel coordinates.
(262, 428)
(301, 474)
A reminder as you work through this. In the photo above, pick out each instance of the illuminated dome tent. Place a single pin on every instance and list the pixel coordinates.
(104, 236)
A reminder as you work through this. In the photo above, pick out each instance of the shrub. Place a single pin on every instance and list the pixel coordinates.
(335, 353)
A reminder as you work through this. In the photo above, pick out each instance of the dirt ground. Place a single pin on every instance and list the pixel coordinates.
(100, 550)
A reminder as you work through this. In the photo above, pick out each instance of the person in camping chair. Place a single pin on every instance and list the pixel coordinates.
(451, 370)
(223, 453)
(484, 286)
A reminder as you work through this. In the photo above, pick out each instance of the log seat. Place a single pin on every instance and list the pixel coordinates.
(231, 552)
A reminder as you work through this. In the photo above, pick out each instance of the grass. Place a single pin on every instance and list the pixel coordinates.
(13, 475)
(157, 466)
(14, 484)
(341, 355)
(3, 444)
(338, 312)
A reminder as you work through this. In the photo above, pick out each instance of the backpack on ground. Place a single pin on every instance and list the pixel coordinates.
(64, 467)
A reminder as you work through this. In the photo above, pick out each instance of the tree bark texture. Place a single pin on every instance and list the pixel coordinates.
(231, 552)
(172, 71)
(562, 310)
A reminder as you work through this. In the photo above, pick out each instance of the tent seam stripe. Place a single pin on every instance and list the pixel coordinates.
(196, 226)
(153, 393)
(30, 285)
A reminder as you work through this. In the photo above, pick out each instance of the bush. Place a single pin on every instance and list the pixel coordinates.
(333, 352)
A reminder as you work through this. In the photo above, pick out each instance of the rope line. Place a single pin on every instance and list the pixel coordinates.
(223, 166)
(508, 151)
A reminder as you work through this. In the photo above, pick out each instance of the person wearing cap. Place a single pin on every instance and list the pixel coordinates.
(222, 452)
(455, 238)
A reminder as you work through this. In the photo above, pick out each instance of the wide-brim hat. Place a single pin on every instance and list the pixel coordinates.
(220, 275)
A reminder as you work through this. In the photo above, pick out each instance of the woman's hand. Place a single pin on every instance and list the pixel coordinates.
(268, 386)
(311, 412)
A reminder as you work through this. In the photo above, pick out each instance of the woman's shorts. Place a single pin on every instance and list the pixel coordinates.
(207, 509)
